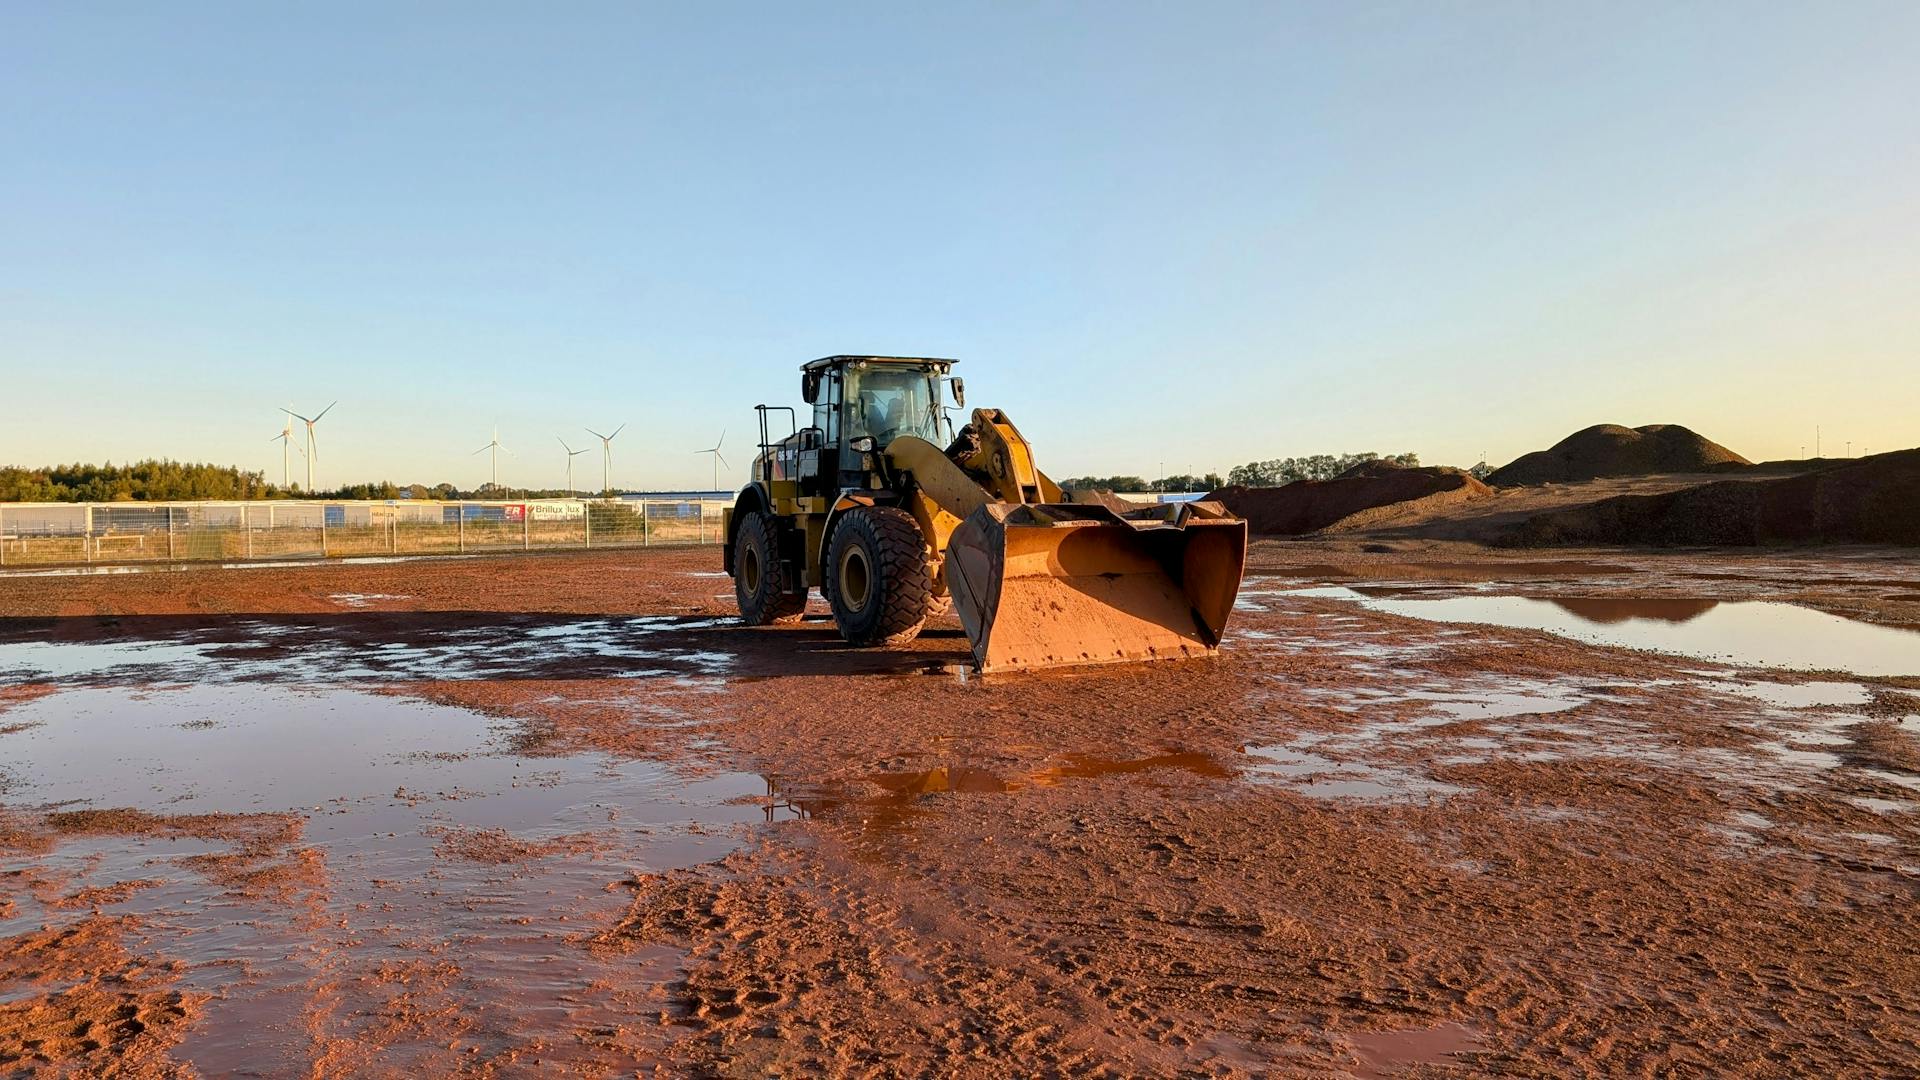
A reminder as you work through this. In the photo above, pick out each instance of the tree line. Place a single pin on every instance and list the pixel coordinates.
(1272, 473)
(1312, 467)
(161, 480)
(1182, 482)
(139, 481)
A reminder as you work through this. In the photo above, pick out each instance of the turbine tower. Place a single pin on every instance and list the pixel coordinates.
(496, 448)
(606, 456)
(313, 445)
(717, 459)
(571, 454)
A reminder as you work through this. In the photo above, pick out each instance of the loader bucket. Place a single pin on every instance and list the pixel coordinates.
(1058, 584)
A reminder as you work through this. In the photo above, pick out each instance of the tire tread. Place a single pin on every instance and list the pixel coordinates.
(784, 606)
(904, 589)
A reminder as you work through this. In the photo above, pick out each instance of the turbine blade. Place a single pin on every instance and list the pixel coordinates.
(563, 445)
(616, 432)
(482, 450)
(596, 435)
(324, 412)
(295, 415)
(723, 461)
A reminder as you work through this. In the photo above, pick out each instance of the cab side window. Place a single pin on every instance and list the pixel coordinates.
(826, 412)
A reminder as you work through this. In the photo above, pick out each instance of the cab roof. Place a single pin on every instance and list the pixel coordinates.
(903, 361)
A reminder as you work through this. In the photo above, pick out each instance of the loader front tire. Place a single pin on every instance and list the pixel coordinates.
(760, 576)
(877, 566)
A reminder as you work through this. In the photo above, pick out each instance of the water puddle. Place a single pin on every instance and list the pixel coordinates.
(1746, 632)
(938, 780)
(1609, 611)
(1318, 777)
(383, 647)
(901, 792)
(363, 600)
(1389, 1053)
(299, 851)
(1494, 704)
(1086, 766)
(1803, 695)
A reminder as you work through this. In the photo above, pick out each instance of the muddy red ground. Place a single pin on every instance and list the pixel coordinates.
(1355, 842)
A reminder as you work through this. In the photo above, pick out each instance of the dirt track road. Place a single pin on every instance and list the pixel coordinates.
(560, 814)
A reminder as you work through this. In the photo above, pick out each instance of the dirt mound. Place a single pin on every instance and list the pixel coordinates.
(1612, 450)
(1348, 501)
(1872, 500)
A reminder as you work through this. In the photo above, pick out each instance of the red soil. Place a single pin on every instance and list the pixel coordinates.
(1872, 500)
(1103, 872)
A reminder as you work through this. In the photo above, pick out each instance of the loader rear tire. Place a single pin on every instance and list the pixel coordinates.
(760, 576)
(877, 563)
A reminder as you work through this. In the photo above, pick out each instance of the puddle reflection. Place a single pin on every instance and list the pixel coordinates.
(1746, 632)
(901, 792)
(390, 833)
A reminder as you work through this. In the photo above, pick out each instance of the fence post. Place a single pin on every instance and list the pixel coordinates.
(169, 530)
(646, 525)
(701, 507)
(246, 522)
(463, 527)
(393, 535)
(586, 518)
(526, 528)
(86, 535)
(323, 530)
(3, 536)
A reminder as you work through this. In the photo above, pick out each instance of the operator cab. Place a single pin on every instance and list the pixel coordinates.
(862, 403)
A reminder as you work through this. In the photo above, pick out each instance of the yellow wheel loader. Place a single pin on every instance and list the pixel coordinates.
(893, 516)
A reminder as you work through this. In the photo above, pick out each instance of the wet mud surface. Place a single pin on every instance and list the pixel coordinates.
(1615, 814)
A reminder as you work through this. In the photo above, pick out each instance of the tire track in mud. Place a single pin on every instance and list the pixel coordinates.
(802, 961)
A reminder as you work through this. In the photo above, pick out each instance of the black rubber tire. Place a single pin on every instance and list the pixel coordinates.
(877, 561)
(760, 576)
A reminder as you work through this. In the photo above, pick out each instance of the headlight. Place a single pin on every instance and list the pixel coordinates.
(862, 445)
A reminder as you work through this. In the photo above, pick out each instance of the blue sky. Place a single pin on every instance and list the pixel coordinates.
(1190, 234)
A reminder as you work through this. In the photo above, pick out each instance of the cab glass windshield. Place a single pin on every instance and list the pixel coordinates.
(887, 403)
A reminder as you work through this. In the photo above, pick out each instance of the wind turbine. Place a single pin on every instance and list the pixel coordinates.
(606, 456)
(313, 446)
(571, 454)
(496, 448)
(285, 439)
(717, 459)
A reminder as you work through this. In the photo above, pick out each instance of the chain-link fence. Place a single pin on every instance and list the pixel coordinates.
(59, 534)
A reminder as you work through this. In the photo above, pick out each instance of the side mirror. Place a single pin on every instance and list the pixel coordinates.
(959, 388)
(810, 387)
